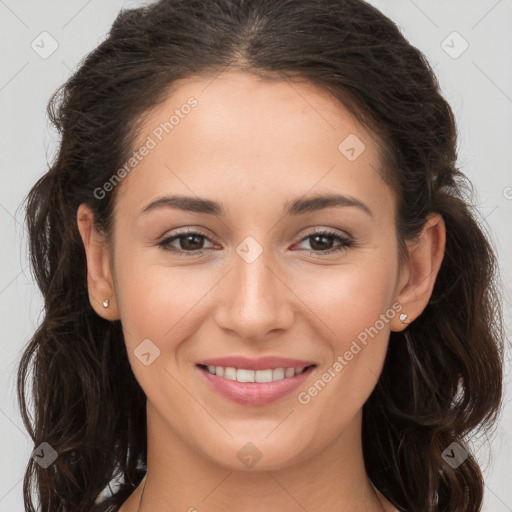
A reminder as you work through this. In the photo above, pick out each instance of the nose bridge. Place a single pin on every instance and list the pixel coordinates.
(255, 301)
(257, 281)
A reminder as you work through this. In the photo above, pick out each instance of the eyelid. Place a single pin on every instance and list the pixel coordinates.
(325, 229)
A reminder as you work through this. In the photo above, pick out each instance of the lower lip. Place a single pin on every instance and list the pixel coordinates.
(254, 393)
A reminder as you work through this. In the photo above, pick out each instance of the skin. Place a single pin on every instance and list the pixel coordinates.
(253, 145)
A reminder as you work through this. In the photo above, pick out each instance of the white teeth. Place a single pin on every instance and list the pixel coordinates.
(242, 375)
(278, 374)
(229, 373)
(245, 375)
(263, 376)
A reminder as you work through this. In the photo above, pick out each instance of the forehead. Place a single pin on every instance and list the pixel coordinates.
(237, 132)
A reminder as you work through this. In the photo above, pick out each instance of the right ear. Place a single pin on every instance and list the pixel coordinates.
(99, 274)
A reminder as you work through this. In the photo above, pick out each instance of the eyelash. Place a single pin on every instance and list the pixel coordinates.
(345, 242)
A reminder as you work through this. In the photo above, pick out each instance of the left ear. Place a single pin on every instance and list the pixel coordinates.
(425, 258)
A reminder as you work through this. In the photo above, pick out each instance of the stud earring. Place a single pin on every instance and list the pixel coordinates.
(105, 303)
(403, 318)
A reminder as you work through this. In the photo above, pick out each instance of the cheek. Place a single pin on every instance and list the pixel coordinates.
(154, 299)
(353, 310)
(350, 298)
(158, 304)
(161, 303)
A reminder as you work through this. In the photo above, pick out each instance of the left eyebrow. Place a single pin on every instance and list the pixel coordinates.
(295, 207)
(319, 202)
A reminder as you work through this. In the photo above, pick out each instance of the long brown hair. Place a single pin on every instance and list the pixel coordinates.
(442, 377)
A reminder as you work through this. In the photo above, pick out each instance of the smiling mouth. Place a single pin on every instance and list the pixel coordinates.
(255, 376)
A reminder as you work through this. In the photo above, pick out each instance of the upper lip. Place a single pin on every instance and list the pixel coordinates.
(261, 363)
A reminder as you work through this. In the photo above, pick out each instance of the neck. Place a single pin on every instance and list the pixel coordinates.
(180, 476)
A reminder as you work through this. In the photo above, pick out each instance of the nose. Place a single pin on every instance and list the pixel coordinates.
(254, 299)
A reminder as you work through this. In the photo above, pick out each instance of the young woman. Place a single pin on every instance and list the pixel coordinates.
(264, 286)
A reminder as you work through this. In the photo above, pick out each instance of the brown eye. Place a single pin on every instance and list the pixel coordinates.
(322, 242)
(189, 243)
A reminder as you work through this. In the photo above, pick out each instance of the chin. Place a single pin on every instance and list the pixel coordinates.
(256, 456)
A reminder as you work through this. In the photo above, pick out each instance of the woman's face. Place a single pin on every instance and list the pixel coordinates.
(257, 277)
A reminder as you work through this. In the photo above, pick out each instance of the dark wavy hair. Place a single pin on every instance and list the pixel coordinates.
(442, 377)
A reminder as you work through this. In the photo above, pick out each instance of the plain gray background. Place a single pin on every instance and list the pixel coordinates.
(469, 44)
